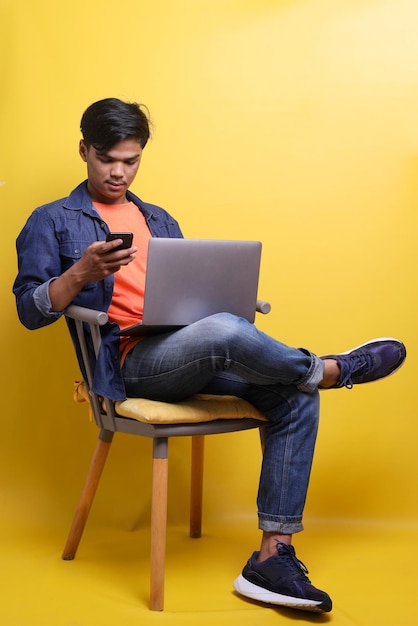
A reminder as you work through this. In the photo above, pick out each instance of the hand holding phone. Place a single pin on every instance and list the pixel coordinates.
(126, 240)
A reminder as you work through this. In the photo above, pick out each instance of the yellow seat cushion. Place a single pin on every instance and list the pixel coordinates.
(197, 408)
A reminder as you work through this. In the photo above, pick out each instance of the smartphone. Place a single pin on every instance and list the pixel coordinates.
(126, 237)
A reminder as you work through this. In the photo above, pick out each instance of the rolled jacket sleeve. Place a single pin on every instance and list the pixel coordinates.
(43, 302)
(39, 264)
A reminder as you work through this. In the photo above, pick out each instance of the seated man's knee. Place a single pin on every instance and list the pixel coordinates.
(225, 326)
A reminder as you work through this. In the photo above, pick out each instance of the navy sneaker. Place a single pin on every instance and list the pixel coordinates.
(370, 361)
(281, 580)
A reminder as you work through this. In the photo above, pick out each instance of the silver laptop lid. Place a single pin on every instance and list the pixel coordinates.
(188, 279)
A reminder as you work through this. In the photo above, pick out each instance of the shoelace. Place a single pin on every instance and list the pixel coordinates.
(295, 565)
(360, 362)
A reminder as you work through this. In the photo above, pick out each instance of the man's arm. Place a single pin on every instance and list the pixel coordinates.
(44, 286)
(97, 263)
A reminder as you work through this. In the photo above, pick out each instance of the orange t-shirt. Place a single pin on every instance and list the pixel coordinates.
(127, 303)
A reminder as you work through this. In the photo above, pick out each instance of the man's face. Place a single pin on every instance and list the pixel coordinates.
(110, 173)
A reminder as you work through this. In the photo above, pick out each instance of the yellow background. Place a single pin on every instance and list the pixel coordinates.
(292, 122)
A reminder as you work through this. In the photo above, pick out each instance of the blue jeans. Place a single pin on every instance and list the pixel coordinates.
(225, 354)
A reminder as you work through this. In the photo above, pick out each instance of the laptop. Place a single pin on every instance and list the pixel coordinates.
(189, 279)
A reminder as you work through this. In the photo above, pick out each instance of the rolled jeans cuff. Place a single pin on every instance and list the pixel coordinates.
(314, 376)
(280, 524)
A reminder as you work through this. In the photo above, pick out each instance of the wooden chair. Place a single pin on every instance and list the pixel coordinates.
(196, 417)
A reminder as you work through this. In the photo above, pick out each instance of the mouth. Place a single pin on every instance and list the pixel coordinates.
(114, 184)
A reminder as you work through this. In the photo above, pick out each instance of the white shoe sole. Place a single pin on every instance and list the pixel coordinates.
(245, 588)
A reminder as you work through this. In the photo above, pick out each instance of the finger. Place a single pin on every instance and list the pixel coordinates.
(108, 246)
(119, 256)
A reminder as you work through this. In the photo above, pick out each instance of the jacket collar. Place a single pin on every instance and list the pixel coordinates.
(79, 200)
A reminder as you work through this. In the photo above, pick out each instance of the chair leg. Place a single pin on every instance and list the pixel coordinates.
(87, 496)
(158, 523)
(196, 490)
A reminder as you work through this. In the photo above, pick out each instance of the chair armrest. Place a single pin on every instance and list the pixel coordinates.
(263, 307)
(86, 315)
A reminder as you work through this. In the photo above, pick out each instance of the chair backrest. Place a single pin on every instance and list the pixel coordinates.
(91, 321)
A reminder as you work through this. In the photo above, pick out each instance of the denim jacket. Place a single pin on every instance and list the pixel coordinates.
(54, 238)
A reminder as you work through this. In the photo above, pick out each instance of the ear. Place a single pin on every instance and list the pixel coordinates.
(82, 149)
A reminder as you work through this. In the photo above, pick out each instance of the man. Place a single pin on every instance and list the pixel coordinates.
(64, 258)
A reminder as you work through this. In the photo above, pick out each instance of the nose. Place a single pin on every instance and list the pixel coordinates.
(116, 171)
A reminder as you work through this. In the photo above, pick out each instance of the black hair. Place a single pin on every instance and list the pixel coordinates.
(109, 121)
